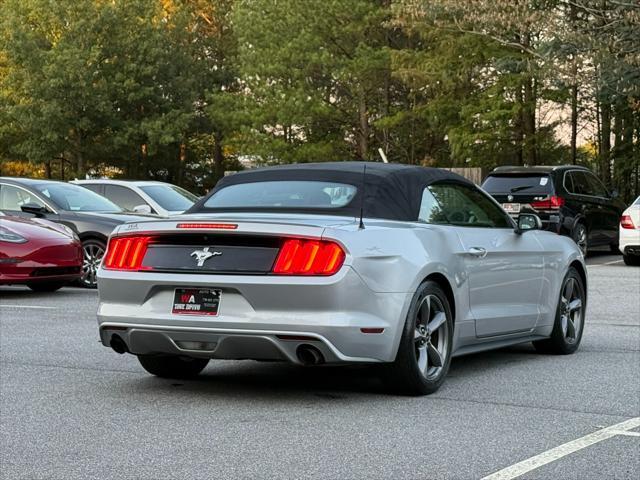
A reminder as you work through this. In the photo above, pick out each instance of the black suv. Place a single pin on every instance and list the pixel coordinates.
(570, 200)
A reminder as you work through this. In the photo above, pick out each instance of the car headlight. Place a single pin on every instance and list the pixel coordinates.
(10, 236)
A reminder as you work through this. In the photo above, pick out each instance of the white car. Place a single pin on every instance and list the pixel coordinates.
(158, 198)
(630, 234)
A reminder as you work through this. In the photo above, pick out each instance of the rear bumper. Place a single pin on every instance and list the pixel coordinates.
(255, 312)
(631, 250)
(629, 241)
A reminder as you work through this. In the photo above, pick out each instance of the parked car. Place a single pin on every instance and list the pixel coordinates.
(569, 199)
(158, 198)
(91, 216)
(331, 263)
(43, 255)
(630, 234)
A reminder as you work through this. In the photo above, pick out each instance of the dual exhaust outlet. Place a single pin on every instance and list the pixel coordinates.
(307, 354)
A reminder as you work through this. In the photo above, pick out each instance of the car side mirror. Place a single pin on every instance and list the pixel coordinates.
(528, 221)
(34, 209)
(614, 193)
(142, 208)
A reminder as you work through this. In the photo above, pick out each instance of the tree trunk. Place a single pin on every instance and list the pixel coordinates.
(218, 157)
(182, 161)
(47, 169)
(144, 155)
(363, 130)
(574, 122)
(529, 123)
(605, 143)
(574, 94)
(80, 165)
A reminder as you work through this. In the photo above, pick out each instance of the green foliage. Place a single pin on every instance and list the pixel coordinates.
(185, 90)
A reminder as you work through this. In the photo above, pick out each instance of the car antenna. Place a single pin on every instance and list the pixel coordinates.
(364, 174)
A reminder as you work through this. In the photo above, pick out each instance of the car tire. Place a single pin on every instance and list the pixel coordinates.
(172, 366)
(92, 251)
(580, 235)
(569, 321)
(46, 286)
(631, 260)
(424, 353)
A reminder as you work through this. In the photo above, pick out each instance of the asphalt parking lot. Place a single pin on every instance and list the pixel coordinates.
(70, 408)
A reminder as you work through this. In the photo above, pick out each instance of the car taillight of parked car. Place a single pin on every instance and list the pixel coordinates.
(626, 222)
(308, 257)
(552, 202)
(126, 253)
(296, 256)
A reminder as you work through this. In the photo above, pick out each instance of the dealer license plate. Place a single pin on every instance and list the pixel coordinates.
(511, 207)
(196, 301)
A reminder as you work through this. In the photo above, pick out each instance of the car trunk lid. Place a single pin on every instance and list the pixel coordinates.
(220, 243)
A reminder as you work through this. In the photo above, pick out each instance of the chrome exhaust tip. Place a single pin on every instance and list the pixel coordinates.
(309, 355)
(118, 344)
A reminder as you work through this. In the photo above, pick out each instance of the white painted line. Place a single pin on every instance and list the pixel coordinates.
(570, 447)
(629, 434)
(613, 262)
(27, 306)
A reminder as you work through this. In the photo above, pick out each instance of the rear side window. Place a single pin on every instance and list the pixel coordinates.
(462, 206)
(94, 187)
(123, 197)
(284, 194)
(531, 184)
(580, 184)
(596, 186)
(170, 197)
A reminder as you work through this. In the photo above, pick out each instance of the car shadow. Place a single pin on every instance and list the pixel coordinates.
(21, 293)
(271, 380)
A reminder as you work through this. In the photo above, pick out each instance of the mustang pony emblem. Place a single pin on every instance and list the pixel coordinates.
(204, 255)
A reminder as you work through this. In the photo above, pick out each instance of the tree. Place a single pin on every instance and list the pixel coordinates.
(317, 75)
(509, 79)
(101, 82)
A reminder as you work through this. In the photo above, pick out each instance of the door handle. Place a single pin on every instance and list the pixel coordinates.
(478, 252)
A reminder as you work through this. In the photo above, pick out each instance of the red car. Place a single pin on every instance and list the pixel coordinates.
(43, 255)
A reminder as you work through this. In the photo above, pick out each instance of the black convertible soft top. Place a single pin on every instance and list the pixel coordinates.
(391, 191)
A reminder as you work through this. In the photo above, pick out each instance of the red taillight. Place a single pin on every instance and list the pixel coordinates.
(125, 253)
(211, 226)
(308, 257)
(626, 222)
(550, 203)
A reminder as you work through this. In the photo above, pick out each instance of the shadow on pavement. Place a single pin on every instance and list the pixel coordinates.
(271, 380)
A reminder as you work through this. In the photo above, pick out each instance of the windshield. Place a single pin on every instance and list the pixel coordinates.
(170, 197)
(77, 199)
(283, 194)
(531, 184)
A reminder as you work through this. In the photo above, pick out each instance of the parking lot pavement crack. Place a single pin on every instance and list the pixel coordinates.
(530, 407)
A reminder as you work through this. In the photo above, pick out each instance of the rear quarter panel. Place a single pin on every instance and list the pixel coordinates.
(398, 256)
(559, 252)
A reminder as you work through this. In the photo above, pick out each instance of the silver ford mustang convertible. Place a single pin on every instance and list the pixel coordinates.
(340, 263)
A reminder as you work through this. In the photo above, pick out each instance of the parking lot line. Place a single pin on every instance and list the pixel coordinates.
(556, 453)
(27, 306)
(613, 262)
